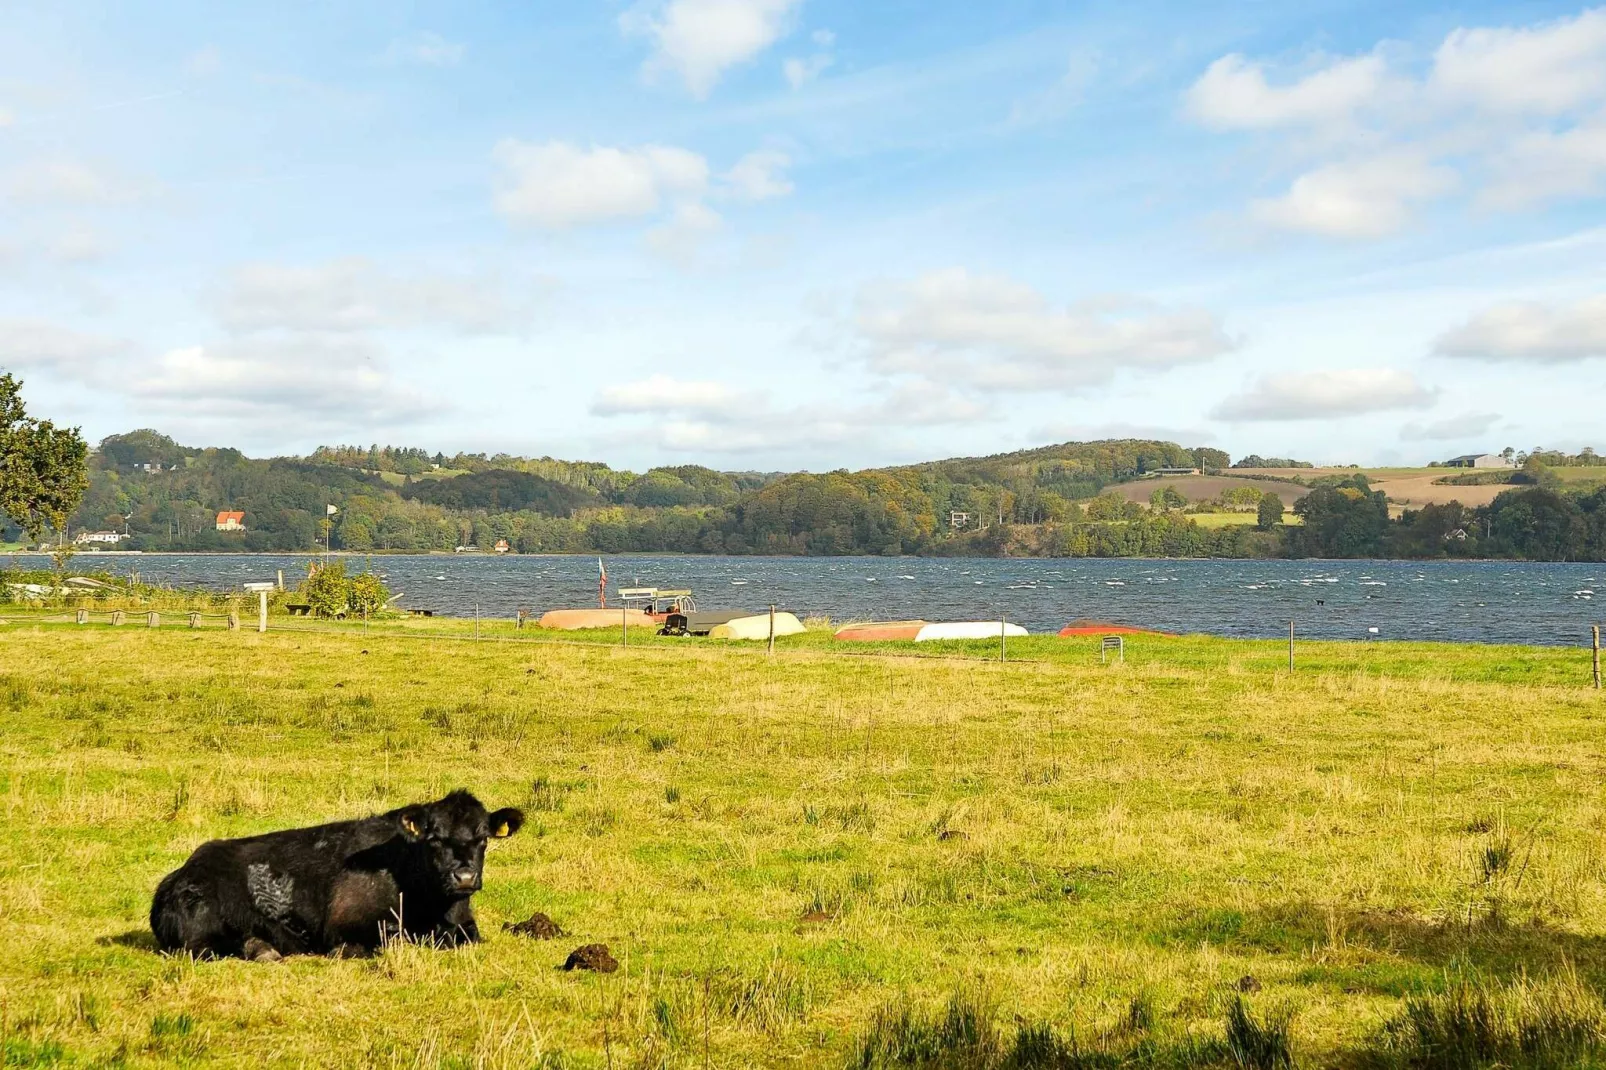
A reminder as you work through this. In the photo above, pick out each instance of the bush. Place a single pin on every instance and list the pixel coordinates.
(331, 593)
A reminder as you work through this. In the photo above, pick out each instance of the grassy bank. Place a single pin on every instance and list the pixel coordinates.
(1194, 858)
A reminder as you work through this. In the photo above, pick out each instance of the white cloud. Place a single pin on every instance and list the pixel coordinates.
(801, 70)
(1544, 69)
(1531, 332)
(1516, 116)
(306, 379)
(1361, 199)
(425, 49)
(37, 344)
(558, 185)
(699, 40)
(1325, 395)
(1453, 429)
(353, 294)
(683, 235)
(759, 176)
(1185, 436)
(1234, 94)
(994, 334)
(663, 395)
(706, 416)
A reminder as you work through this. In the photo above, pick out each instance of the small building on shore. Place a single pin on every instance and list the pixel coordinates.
(98, 538)
(231, 521)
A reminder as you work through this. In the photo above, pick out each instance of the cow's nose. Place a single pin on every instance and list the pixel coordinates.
(467, 878)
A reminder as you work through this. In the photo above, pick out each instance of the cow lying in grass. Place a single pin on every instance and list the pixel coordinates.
(345, 887)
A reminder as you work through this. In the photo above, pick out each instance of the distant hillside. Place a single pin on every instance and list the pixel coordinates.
(1109, 498)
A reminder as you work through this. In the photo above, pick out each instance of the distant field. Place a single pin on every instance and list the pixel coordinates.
(1233, 520)
(1415, 487)
(791, 855)
(1201, 488)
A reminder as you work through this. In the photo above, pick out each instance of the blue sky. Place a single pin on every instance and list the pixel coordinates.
(782, 234)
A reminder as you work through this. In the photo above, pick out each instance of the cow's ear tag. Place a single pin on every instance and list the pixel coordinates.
(502, 831)
(409, 826)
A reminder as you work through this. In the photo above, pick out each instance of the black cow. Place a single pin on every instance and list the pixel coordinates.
(343, 887)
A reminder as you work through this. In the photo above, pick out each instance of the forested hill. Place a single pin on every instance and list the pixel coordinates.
(1076, 499)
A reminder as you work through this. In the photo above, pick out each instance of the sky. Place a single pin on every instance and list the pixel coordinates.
(808, 234)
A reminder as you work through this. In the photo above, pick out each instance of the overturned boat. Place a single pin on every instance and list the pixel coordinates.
(574, 620)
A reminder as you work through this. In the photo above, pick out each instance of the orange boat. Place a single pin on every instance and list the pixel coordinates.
(1104, 627)
(880, 631)
(573, 620)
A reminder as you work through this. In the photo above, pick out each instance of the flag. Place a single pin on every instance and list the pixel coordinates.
(602, 570)
(602, 584)
(330, 510)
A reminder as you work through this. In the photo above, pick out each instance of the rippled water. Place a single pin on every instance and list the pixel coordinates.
(1467, 601)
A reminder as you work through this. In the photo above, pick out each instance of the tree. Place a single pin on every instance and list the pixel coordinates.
(1165, 499)
(1206, 459)
(1270, 512)
(44, 469)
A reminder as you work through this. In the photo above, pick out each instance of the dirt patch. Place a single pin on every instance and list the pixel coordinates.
(594, 957)
(949, 835)
(537, 927)
(816, 917)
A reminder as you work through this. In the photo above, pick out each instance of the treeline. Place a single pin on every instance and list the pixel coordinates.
(1051, 501)
(1346, 518)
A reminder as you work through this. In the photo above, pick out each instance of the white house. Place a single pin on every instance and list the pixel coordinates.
(111, 538)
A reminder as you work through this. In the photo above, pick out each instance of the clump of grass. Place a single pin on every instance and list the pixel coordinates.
(1553, 1023)
(962, 1036)
(547, 797)
(671, 794)
(1258, 1043)
(855, 817)
(660, 741)
(769, 999)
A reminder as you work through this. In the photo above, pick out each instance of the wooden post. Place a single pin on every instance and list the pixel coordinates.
(1595, 643)
(117, 617)
(195, 620)
(281, 579)
(234, 621)
(262, 611)
(153, 620)
(624, 624)
(476, 620)
(1003, 643)
(1290, 646)
(772, 632)
(83, 616)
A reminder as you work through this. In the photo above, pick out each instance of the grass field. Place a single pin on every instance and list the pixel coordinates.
(827, 858)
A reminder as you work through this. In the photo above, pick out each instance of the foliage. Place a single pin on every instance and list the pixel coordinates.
(1472, 1024)
(43, 468)
(331, 593)
(1341, 519)
(500, 489)
(1255, 460)
(1269, 512)
(1166, 498)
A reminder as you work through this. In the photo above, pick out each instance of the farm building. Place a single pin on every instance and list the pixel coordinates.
(227, 521)
(1478, 460)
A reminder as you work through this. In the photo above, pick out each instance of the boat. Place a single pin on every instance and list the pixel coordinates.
(1084, 626)
(880, 631)
(700, 623)
(573, 620)
(969, 629)
(757, 626)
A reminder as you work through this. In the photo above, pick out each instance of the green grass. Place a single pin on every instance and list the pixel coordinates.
(828, 857)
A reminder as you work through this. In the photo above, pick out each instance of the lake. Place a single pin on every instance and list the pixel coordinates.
(1467, 601)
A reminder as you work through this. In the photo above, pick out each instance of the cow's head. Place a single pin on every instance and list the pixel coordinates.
(449, 836)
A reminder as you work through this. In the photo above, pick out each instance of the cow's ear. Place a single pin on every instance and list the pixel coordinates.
(506, 822)
(412, 821)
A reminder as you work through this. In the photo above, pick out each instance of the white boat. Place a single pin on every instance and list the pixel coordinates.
(757, 626)
(968, 629)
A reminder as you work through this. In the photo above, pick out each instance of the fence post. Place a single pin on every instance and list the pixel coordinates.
(234, 621)
(1003, 644)
(195, 620)
(1290, 646)
(153, 619)
(772, 632)
(117, 617)
(1595, 644)
(262, 611)
(624, 624)
(83, 616)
